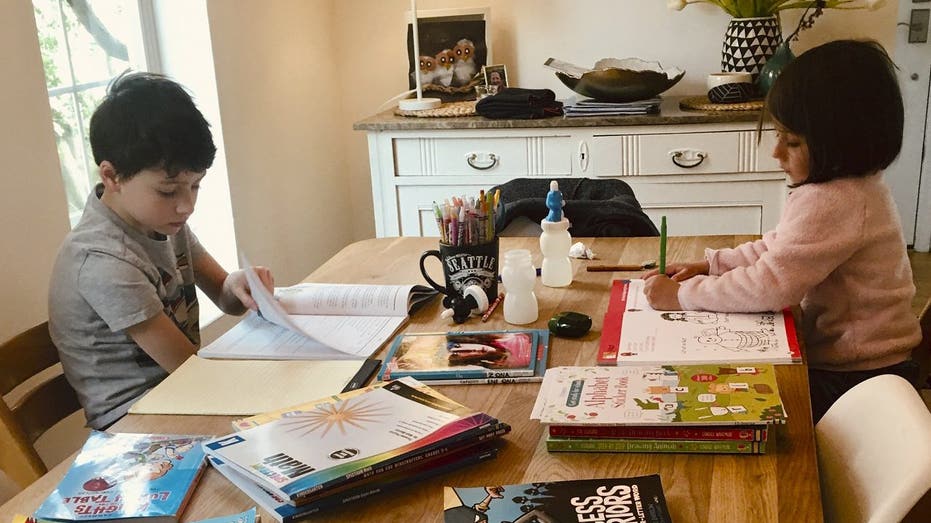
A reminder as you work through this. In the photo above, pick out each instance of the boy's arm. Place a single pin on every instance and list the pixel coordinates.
(161, 339)
(229, 291)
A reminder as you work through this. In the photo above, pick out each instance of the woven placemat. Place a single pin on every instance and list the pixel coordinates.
(443, 111)
(702, 103)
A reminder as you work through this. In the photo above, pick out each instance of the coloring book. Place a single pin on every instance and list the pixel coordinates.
(636, 334)
(124, 476)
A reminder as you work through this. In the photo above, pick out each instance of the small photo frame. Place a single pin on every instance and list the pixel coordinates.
(454, 48)
(495, 75)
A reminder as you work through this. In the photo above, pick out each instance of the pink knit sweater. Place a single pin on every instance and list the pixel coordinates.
(838, 250)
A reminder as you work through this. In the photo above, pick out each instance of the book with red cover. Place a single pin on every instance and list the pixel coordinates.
(634, 333)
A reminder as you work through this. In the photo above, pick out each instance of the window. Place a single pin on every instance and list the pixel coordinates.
(84, 44)
(87, 43)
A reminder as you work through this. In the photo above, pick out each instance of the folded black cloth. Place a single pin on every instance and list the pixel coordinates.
(515, 102)
(601, 208)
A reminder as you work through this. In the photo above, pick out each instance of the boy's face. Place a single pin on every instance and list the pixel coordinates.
(151, 201)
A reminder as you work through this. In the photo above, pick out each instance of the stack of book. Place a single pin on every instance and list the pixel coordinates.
(589, 107)
(458, 358)
(337, 450)
(660, 408)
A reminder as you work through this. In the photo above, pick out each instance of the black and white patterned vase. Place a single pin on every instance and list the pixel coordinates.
(748, 43)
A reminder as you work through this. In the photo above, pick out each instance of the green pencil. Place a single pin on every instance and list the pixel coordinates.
(662, 246)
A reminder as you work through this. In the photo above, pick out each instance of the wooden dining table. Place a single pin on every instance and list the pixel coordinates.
(780, 485)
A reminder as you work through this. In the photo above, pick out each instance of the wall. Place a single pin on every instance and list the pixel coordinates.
(33, 218)
(524, 33)
(280, 110)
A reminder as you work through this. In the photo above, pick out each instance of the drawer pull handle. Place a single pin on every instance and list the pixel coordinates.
(692, 158)
(490, 158)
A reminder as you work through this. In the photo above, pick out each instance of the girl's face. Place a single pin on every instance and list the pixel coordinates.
(792, 152)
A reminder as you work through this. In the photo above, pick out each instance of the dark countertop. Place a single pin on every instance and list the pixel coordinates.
(670, 114)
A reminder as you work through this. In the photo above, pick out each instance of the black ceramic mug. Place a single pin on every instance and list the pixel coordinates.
(465, 265)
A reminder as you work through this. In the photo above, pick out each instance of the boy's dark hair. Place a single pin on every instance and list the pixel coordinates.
(149, 121)
(843, 98)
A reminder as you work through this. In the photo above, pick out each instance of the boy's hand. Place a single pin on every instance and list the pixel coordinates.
(236, 285)
(681, 271)
(662, 293)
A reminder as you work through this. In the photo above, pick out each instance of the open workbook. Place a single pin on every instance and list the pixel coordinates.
(636, 334)
(322, 321)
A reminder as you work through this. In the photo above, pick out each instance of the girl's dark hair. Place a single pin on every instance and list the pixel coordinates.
(843, 98)
(149, 121)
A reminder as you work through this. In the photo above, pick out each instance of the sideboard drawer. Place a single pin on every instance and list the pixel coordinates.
(682, 153)
(510, 156)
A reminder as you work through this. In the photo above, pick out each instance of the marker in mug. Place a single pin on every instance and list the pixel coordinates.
(662, 246)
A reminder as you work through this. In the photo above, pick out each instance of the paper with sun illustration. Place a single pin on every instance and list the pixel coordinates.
(308, 450)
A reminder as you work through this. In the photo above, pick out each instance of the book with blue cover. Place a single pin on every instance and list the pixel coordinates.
(462, 355)
(128, 476)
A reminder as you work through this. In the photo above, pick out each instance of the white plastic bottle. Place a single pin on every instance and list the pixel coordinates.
(555, 242)
(519, 277)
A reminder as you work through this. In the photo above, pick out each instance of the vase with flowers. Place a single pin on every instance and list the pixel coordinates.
(754, 33)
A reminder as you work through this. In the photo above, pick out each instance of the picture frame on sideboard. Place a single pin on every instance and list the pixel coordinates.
(454, 47)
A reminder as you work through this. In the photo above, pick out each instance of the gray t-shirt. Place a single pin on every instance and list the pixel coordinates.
(108, 277)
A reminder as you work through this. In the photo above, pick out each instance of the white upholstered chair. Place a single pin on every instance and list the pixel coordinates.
(874, 454)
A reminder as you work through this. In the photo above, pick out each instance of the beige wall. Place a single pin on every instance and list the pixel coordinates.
(33, 217)
(275, 65)
(370, 49)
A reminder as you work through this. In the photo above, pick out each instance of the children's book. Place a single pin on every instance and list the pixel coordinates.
(669, 432)
(636, 334)
(318, 321)
(128, 476)
(459, 355)
(635, 500)
(308, 451)
(539, 369)
(285, 512)
(654, 445)
(660, 395)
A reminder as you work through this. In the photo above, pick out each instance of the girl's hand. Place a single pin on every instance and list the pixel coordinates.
(236, 285)
(681, 271)
(662, 293)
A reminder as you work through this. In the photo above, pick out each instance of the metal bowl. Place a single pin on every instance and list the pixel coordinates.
(626, 80)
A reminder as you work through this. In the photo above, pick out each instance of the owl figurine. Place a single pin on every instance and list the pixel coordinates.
(444, 67)
(427, 69)
(464, 67)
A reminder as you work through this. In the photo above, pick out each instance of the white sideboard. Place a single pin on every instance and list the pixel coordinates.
(705, 172)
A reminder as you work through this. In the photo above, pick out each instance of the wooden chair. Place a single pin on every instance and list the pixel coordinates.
(922, 353)
(45, 404)
(874, 460)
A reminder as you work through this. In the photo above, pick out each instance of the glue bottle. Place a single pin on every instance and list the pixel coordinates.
(519, 277)
(555, 242)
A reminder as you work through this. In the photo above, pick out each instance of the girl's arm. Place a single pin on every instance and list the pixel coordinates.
(820, 229)
(230, 291)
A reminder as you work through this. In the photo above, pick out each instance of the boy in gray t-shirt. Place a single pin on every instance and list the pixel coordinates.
(122, 303)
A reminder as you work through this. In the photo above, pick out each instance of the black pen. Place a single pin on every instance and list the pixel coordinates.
(365, 372)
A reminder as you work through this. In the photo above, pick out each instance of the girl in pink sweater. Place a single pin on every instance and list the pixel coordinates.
(838, 249)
